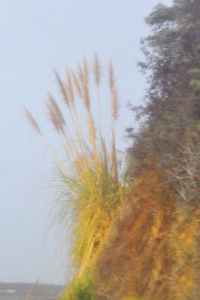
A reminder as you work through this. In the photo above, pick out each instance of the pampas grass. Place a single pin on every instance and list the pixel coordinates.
(94, 189)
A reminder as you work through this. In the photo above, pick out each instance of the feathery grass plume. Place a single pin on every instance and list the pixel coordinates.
(104, 156)
(111, 76)
(86, 96)
(87, 105)
(85, 70)
(114, 161)
(55, 114)
(58, 121)
(32, 121)
(92, 130)
(57, 110)
(114, 102)
(114, 109)
(62, 88)
(68, 99)
(80, 73)
(73, 111)
(97, 77)
(52, 117)
(76, 84)
(85, 85)
(96, 69)
(83, 77)
(35, 126)
(70, 89)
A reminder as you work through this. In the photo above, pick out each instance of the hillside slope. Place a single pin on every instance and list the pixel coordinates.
(152, 251)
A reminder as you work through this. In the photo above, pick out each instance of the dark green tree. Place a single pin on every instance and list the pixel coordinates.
(172, 68)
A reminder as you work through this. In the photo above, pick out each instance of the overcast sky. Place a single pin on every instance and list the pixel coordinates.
(36, 36)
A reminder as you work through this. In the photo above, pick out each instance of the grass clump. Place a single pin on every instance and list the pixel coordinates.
(89, 171)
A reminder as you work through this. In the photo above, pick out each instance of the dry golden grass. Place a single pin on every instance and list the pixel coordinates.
(152, 248)
(91, 177)
(137, 258)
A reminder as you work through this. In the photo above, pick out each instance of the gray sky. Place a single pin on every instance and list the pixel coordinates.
(35, 37)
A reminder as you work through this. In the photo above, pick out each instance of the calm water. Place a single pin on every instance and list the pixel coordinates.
(19, 291)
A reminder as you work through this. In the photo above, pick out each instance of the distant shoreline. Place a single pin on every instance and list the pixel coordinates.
(19, 291)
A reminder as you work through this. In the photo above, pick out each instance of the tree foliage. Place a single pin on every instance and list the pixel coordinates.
(172, 67)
